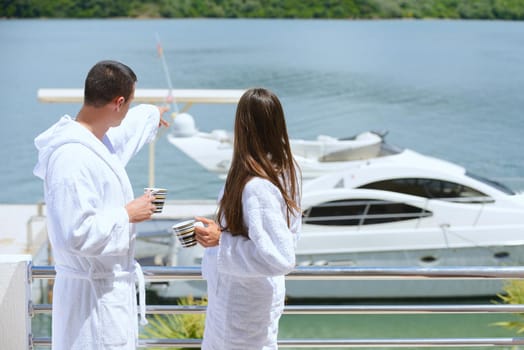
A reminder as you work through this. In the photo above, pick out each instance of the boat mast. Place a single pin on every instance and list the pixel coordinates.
(174, 107)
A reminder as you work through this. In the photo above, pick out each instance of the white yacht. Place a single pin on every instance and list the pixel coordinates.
(403, 210)
(325, 154)
(416, 211)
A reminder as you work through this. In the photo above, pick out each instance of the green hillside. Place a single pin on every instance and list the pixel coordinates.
(329, 9)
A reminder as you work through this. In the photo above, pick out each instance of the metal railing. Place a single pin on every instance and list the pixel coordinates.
(335, 273)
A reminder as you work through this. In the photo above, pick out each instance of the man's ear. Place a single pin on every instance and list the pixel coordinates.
(119, 101)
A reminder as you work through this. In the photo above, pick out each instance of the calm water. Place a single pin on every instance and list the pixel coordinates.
(450, 89)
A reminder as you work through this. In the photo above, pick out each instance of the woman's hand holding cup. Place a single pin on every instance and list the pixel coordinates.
(208, 234)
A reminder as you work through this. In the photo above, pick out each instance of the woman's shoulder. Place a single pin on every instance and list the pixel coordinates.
(258, 183)
(261, 188)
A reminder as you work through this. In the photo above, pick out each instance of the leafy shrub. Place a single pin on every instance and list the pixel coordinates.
(177, 326)
(513, 294)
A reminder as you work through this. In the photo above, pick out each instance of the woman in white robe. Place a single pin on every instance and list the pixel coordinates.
(91, 210)
(260, 220)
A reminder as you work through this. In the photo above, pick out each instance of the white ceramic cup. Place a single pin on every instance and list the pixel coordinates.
(160, 195)
(185, 232)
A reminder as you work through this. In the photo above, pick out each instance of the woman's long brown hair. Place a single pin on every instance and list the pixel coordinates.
(261, 149)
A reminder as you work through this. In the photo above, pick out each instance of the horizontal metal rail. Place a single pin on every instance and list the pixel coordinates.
(338, 343)
(332, 309)
(333, 273)
(166, 273)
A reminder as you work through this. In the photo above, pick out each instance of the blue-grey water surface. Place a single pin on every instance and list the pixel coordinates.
(451, 89)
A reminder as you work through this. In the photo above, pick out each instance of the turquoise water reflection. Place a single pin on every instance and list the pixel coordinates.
(369, 326)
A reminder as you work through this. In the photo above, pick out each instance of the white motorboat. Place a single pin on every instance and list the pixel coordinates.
(416, 211)
(413, 211)
(213, 150)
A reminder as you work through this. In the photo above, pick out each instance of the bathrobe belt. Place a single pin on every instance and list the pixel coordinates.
(90, 276)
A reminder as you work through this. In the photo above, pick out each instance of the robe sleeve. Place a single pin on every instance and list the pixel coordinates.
(83, 224)
(139, 127)
(270, 249)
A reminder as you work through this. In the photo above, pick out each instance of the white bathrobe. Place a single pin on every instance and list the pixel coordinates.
(86, 189)
(245, 277)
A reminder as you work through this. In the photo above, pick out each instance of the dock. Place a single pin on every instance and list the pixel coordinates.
(23, 229)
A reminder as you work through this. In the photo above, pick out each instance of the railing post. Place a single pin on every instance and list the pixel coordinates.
(29, 226)
(15, 292)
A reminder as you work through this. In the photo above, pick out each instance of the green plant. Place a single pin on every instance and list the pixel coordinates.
(178, 326)
(513, 294)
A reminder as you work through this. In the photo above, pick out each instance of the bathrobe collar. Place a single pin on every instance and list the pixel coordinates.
(67, 131)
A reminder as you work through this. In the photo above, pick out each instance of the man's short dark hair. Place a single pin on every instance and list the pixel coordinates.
(106, 81)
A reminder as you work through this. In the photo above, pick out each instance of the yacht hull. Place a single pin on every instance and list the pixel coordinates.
(401, 288)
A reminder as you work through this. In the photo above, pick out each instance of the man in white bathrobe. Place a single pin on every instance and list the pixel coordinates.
(92, 211)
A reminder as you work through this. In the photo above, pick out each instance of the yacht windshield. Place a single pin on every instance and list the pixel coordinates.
(431, 188)
(497, 185)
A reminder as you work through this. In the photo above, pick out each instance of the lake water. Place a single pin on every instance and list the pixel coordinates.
(451, 89)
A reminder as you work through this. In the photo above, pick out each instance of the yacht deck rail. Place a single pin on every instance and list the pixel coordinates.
(333, 273)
